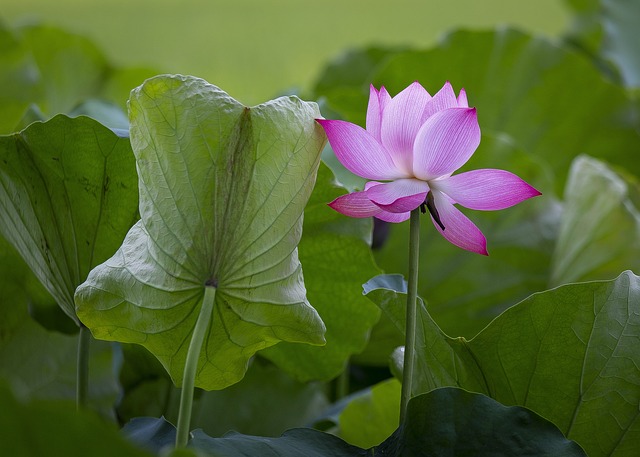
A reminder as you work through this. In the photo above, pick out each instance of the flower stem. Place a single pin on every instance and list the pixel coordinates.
(191, 366)
(82, 367)
(410, 328)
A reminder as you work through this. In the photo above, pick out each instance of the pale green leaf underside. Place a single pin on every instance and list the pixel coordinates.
(337, 260)
(600, 226)
(222, 191)
(571, 354)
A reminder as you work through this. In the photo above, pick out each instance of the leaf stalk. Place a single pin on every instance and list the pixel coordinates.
(82, 367)
(191, 366)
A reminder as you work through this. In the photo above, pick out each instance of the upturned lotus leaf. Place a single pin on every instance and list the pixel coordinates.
(222, 193)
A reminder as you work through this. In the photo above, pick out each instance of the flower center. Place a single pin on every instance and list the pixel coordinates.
(430, 204)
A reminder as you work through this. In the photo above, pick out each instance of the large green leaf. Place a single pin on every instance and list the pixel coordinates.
(266, 402)
(443, 422)
(38, 363)
(451, 422)
(67, 197)
(222, 192)
(570, 354)
(600, 226)
(337, 260)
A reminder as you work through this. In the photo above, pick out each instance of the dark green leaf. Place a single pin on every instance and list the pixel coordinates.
(452, 422)
(337, 260)
(40, 363)
(294, 443)
(68, 195)
(568, 354)
(266, 402)
(147, 388)
(444, 422)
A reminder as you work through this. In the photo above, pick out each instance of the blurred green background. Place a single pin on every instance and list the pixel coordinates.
(255, 49)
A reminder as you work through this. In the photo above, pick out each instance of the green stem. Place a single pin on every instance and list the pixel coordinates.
(342, 384)
(410, 328)
(191, 366)
(82, 367)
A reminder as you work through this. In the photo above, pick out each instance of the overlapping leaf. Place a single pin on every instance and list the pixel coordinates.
(600, 226)
(570, 354)
(222, 192)
(67, 197)
(41, 364)
(266, 402)
(443, 422)
(337, 260)
(451, 421)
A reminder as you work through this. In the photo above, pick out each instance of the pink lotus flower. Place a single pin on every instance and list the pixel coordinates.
(415, 142)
